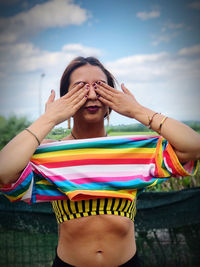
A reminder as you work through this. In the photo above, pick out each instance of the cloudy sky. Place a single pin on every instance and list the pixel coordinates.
(151, 46)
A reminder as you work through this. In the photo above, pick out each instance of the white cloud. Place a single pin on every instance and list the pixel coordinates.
(172, 26)
(155, 68)
(81, 50)
(164, 82)
(190, 51)
(195, 5)
(168, 32)
(164, 38)
(54, 13)
(161, 81)
(160, 67)
(25, 57)
(21, 66)
(148, 15)
(139, 68)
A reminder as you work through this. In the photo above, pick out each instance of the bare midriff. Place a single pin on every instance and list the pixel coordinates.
(100, 241)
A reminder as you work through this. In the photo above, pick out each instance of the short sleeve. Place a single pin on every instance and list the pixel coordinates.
(167, 163)
(22, 189)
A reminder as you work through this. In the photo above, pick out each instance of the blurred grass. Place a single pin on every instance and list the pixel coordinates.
(131, 133)
(57, 136)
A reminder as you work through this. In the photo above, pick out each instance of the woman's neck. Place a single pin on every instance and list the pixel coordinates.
(90, 130)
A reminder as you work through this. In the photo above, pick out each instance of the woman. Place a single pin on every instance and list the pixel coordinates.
(88, 95)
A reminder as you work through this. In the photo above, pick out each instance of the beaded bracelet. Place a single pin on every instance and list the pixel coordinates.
(151, 119)
(33, 135)
(161, 124)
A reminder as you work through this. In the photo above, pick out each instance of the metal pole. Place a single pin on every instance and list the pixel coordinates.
(40, 94)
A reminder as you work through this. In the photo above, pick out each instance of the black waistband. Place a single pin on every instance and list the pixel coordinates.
(133, 262)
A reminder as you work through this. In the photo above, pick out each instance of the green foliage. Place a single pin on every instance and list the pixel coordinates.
(130, 133)
(10, 127)
(195, 125)
(138, 127)
(58, 133)
(175, 184)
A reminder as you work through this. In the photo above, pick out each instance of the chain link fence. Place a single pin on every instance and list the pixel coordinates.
(167, 231)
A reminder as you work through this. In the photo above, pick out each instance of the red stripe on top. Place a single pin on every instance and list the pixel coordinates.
(96, 162)
(170, 163)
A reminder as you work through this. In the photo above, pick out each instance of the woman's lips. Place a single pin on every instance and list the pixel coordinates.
(92, 109)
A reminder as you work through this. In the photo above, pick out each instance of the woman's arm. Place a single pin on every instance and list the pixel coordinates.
(16, 154)
(186, 142)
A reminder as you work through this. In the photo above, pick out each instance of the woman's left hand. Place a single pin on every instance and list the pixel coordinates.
(123, 102)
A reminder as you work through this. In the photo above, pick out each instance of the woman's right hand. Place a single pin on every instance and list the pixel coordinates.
(65, 107)
(24, 144)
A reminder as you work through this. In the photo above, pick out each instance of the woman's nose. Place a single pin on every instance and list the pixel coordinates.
(92, 93)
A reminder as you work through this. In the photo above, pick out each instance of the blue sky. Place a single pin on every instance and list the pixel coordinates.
(151, 46)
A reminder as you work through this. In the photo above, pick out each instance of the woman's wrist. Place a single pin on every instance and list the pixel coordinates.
(143, 115)
(47, 120)
(151, 119)
(42, 126)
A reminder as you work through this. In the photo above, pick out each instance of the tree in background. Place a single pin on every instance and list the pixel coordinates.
(10, 127)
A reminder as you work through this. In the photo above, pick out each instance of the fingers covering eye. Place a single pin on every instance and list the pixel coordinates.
(104, 92)
(74, 90)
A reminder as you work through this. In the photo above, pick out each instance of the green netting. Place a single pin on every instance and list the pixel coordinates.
(167, 231)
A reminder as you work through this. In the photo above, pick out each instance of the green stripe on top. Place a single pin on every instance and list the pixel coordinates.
(18, 191)
(105, 144)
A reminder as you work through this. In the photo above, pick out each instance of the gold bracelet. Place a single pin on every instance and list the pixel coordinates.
(151, 119)
(33, 135)
(161, 124)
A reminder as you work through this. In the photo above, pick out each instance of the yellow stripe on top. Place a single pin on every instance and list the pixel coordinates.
(177, 164)
(159, 158)
(78, 194)
(93, 152)
(91, 156)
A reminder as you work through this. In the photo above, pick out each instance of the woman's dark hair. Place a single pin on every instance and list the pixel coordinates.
(78, 62)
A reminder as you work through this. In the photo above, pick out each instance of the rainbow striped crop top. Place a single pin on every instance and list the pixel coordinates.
(108, 167)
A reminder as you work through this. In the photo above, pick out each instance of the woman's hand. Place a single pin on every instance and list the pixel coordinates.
(123, 102)
(65, 107)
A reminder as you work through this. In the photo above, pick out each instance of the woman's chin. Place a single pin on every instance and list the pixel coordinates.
(89, 117)
(92, 118)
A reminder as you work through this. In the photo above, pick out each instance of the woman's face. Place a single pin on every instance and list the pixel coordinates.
(93, 110)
